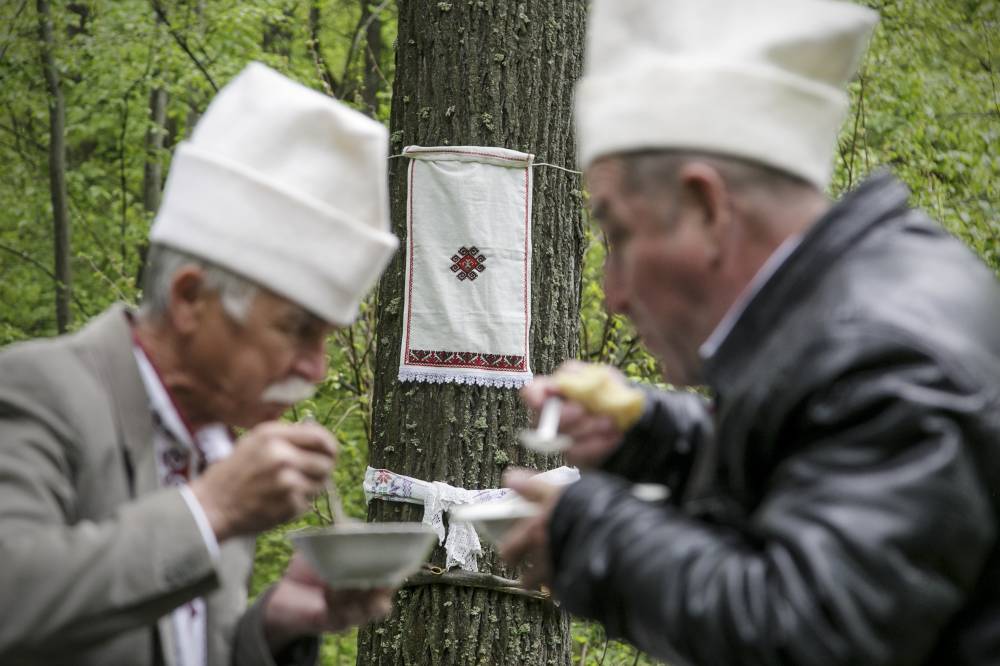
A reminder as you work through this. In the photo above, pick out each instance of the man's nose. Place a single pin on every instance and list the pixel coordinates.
(615, 294)
(311, 364)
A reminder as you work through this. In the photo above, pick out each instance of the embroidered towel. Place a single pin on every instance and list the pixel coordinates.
(467, 301)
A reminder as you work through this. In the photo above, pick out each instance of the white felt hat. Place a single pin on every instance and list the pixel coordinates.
(286, 187)
(762, 80)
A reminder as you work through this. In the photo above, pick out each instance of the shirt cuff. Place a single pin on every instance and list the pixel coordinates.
(207, 534)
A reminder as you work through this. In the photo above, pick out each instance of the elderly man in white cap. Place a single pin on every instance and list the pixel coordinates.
(127, 512)
(836, 501)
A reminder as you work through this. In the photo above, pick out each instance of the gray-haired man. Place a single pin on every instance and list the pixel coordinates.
(835, 503)
(127, 511)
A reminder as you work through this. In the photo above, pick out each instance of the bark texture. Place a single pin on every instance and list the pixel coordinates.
(489, 73)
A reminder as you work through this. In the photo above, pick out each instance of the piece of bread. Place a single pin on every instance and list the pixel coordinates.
(601, 390)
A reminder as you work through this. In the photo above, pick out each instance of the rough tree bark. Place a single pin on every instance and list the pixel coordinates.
(57, 168)
(491, 73)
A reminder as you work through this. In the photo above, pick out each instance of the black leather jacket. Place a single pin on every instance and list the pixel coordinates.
(838, 502)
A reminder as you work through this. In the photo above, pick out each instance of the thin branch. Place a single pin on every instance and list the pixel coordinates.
(378, 70)
(854, 134)
(111, 283)
(431, 575)
(25, 257)
(162, 15)
(123, 181)
(993, 78)
(17, 144)
(362, 28)
(315, 49)
(13, 22)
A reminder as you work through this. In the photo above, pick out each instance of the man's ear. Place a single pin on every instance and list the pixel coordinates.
(188, 299)
(705, 191)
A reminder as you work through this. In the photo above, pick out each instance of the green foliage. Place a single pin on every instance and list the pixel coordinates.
(607, 338)
(111, 54)
(927, 105)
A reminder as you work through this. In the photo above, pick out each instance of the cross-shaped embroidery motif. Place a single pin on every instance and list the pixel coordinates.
(468, 263)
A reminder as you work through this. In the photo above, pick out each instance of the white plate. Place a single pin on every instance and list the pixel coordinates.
(365, 555)
(494, 519)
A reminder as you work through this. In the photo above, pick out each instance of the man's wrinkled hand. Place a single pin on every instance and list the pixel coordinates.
(594, 436)
(271, 477)
(527, 543)
(302, 605)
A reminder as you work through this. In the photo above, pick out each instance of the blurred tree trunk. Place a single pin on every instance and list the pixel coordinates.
(278, 32)
(57, 168)
(156, 132)
(490, 73)
(152, 174)
(316, 50)
(373, 56)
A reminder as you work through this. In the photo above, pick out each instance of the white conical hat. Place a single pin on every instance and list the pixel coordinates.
(286, 187)
(763, 80)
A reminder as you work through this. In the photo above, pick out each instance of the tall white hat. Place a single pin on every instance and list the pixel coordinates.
(762, 80)
(284, 186)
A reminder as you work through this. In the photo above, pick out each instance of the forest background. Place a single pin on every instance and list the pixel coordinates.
(92, 106)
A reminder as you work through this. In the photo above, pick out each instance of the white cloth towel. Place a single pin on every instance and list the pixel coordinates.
(461, 543)
(467, 301)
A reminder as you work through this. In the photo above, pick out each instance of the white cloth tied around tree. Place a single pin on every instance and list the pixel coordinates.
(461, 542)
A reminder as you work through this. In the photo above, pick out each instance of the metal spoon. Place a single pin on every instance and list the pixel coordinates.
(340, 517)
(546, 438)
(337, 512)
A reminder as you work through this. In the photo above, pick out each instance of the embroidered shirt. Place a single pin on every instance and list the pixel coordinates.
(180, 456)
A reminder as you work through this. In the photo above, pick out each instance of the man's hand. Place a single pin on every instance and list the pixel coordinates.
(595, 436)
(301, 605)
(527, 543)
(271, 476)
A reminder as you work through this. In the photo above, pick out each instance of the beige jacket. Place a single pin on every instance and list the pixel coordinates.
(93, 554)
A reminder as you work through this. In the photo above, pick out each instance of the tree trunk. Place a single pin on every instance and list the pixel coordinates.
(156, 132)
(372, 59)
(57, 168)
(277, 36)
(490, 73)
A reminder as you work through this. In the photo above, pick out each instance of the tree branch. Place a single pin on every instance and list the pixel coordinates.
(25, 257)
(181, 42)
(322, 69)
(431, 575)
(361, 29)
(10, 40)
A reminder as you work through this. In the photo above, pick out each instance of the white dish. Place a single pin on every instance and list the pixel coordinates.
(365, 555)
(494, 519)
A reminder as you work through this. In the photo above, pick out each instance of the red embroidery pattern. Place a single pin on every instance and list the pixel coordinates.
(465, 359)
(467, 262)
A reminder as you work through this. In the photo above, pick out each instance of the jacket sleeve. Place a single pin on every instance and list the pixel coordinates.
(873, 527)
(75, 582)
(250, 647)
(661, 446)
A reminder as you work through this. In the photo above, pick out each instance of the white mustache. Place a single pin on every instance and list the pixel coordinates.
(289, 391)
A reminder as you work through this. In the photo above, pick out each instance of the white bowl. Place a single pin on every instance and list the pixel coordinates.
(494, 519)
(365, 555)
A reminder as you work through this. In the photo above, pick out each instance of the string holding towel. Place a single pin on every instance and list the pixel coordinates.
(533, 166)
